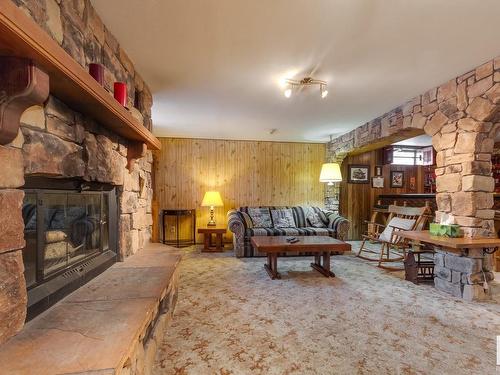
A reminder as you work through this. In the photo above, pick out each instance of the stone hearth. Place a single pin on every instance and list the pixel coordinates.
(118, 320)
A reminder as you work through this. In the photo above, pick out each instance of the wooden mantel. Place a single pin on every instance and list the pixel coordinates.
(20, 36)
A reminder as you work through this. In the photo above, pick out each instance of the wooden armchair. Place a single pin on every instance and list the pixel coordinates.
(393, 247)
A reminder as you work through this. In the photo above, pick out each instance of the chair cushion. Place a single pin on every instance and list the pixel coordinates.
(283, 218)
(261, 217)
(398, 222)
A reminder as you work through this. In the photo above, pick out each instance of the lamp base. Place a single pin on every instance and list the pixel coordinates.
(211, 222)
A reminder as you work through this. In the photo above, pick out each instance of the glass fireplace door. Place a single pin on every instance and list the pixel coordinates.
(63, 228)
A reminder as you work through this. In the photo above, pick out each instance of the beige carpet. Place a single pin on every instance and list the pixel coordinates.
(232, 319)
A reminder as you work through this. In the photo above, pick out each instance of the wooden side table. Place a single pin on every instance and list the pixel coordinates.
(208, 243)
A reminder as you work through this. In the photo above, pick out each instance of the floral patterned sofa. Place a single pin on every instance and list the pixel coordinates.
(282, 221)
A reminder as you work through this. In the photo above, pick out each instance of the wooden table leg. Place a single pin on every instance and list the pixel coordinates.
(325, 268)
(317, 259)
(272, 266)
(218, 241)
(206, 241)
(326, 263)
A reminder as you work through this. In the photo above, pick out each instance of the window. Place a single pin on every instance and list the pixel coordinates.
(407, 156)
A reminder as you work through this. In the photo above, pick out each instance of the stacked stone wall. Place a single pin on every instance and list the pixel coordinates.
(463, 118)
(58, 142)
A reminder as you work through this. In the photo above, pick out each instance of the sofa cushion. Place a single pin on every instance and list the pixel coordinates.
(308, 231)
(283, 218)
(299, 217)
(314, 220)
(247, 220)
(301, 214)
(264, 232)
(321, 214)
(311, 231)
(261, 217)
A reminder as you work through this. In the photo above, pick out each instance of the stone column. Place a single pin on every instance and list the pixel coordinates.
(336, 152)
(463, 138)
(13, 296)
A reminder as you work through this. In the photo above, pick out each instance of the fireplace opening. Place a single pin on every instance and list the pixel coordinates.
(70, 233)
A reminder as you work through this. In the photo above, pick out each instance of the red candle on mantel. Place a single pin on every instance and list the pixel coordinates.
(97, 71)
(120, 93)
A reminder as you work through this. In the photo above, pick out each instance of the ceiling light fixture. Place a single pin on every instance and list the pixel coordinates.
(307, 81)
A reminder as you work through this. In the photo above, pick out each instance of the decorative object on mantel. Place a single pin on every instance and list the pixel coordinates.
(358, 174)
(292, 84)
(212, 199)
(330, 173)
(97, 72)
(397, 179)
(120, 93)
(22, 85)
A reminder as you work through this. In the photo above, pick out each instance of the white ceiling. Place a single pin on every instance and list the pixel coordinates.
(214, 66)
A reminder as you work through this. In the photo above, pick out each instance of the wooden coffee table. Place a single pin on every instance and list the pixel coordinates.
(321, 246)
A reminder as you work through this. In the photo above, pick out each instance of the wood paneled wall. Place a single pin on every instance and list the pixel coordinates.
(357, 200)
(246, 173)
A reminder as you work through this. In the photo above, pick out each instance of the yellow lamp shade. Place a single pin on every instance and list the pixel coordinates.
(212, 199)
(330, 172)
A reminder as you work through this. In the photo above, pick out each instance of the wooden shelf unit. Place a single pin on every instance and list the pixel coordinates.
(20, 36)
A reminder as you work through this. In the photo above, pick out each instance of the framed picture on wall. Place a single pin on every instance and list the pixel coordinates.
(358, 174)
(397, 179)
(378, 170)
(377, 182)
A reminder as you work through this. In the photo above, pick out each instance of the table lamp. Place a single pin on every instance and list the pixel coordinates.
(212, 199)
(330, 172)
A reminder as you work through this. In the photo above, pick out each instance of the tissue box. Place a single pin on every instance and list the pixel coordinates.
(452, 230)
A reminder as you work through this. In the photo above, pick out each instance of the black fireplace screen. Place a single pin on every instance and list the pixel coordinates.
(64, 230)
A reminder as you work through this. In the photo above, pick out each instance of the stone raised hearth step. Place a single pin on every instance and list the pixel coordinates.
(108, 326)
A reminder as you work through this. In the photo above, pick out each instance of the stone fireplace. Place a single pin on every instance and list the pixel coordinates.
(71, 200)
(70, 231)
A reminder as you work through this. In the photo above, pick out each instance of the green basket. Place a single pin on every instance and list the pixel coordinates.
(444, 230)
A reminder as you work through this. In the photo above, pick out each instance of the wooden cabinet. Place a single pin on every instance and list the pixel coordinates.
(495, 169)
(429, 179)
